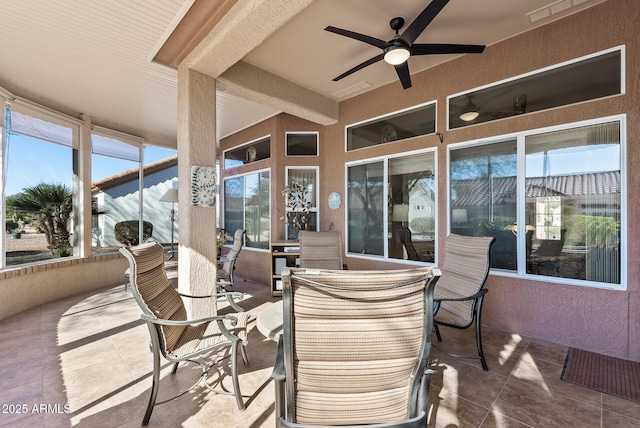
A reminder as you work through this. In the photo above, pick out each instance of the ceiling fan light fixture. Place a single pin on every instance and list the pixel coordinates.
(469, 112)
(396, 55)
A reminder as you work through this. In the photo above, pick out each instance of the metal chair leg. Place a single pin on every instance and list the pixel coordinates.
(479, 334)
(154, 386)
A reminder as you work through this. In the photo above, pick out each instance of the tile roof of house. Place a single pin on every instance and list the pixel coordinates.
(478, 192)
(132, 174)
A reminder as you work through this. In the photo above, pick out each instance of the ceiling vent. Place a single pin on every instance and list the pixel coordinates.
(552, 9)
(359, 87)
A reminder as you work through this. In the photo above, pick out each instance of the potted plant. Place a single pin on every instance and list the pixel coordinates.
(222, 238)
(16, 233)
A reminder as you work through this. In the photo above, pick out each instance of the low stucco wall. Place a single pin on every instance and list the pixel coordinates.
(29, 286)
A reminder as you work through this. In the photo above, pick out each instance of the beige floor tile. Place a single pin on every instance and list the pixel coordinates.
(545, 375)
(449, 410)
(91, 352)
(621, 406)
(540, 407)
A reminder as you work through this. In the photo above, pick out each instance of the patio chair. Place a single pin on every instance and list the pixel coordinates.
(354, 348)
(321, 250)
(460, 292)
(226, 263)
(176, 337)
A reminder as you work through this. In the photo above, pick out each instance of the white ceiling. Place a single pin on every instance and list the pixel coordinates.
(94, 57)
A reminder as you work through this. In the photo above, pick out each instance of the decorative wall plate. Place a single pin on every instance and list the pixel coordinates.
(203, 186)
(335, 200)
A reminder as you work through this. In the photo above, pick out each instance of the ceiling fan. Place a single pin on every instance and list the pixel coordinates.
(398, 50)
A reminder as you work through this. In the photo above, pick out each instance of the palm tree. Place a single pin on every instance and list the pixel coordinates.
(51, 205)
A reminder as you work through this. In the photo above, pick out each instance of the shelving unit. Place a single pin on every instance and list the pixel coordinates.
(283, 254)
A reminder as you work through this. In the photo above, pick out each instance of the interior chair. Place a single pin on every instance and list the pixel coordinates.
(354, 348)
(460, 291)
(176, 337)
(321, 250)
(226, 263)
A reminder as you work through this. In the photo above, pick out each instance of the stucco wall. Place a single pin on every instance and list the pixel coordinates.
(28, 287)
(599, 320)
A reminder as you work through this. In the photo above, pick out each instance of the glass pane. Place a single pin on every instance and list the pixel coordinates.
(233, 204)
(160, 176)
(484, 195)
(573, 203)
(115, 198)
(248, 153)
(257, 209)
(399, 126)
(300, 199)
(302, 144)
(412, 213)
(39, 200)
(584, 80)
(366, 209)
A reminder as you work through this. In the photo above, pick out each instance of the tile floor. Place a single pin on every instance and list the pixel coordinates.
(84, 361)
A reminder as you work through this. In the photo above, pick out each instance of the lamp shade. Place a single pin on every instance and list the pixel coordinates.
(170, 195)
(459, 215)
(400, 213)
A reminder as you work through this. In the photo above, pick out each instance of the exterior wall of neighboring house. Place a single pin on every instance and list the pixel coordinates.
(595, 319)
(119, 198)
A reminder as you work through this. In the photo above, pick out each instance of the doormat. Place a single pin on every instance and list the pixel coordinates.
(613, 376)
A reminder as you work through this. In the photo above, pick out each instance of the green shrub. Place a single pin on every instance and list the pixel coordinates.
(422, 224)
(127, 231)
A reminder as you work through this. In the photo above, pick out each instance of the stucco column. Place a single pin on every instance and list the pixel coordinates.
(196, 146)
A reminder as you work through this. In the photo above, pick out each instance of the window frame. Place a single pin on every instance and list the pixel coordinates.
(388, 115)
(521, 199)
(385, 165)
(316, 208)
(286, 143)
(246, 145)
(222, 197)
(470, 92)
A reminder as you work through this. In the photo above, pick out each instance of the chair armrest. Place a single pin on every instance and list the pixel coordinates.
(159, 321)
(278, 373)
(230, 296)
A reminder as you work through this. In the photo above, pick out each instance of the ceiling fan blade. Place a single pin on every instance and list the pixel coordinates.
(362, 37)
(420, 23)
(360, 66)
(403, 74)
(443, 48)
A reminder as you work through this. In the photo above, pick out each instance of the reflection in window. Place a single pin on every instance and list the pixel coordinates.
(412, 213)
(484, 196)
(420, 120)
(581, 80)
(573, 200)
(248, 153)
(247, 206)
(366, 209)
(400, 203)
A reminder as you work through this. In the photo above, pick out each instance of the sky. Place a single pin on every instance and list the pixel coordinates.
(31, 162)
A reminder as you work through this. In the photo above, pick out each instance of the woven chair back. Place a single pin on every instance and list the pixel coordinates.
(153, 291)
(320, 250)
(356, 341)
(464, 272)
